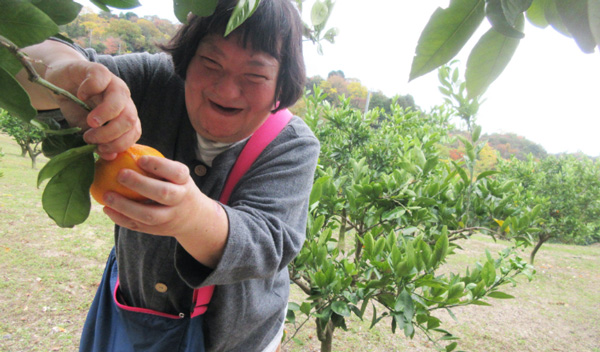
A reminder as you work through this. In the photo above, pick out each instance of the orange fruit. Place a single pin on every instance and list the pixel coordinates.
(105, 174)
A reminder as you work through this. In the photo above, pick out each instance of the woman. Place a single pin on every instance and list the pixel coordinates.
(198, 106)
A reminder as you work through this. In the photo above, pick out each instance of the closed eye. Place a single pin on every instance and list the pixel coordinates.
(256, 78)
(210, 63)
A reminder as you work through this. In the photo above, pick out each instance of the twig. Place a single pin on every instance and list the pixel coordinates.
(34, 77)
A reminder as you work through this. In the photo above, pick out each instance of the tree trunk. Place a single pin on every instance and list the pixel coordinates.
(32, 155)
(325, 335)
(542, 239)
(23, 151)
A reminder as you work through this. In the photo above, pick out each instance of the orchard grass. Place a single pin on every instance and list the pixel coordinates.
(49, 276)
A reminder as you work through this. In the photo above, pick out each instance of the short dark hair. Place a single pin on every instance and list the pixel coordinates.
(275, 28)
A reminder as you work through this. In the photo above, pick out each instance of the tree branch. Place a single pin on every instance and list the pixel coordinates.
(34, 77)
(304, 287)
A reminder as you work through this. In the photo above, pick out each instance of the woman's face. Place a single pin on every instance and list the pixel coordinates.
(229, 90)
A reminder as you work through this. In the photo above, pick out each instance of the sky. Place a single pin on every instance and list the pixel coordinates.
(548, 93)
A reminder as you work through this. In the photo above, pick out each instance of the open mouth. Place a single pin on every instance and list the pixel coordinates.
(224, 109)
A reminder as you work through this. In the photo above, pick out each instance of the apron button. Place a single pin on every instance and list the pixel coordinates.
(200, 170)
(160, 287)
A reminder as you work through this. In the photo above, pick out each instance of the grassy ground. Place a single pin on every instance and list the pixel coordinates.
(48, 277)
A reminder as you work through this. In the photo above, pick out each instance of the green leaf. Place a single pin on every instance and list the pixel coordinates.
(502, 21)
(486, 174)
(456, 290)
(407, 304)
(594, 19)
(118, 4)
(574, 14)
(24, 24)
(14, 98)
(488, 59)
(60, 11)
(369, 243)
(440, 249)
(330, 35)
(243, 10)
(199, 8)
(445, 34)
(379, 245)
(66, 198)
(319, 13)
(100, 5)
(462, 173)
(476, 134)
(480, 303)
(340, 308)
(8, 62)
(500, 295)
(536, 14)
(62, 161)
(305, 308)
(488, 273)
(451, 346)
(54, 144)
(317, 190)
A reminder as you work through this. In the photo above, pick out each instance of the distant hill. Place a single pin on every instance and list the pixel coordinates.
(510, 144)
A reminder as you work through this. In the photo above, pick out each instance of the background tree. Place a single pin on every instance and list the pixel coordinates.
(567, 189)
(27, 136)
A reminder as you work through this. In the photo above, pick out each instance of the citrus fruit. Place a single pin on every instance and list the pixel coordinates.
(105, 174)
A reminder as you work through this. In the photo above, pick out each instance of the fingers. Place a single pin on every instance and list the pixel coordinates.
(169, 189)
(114, 122)
(170, 170)
(96, 79)
(139, 217)
(118, 134)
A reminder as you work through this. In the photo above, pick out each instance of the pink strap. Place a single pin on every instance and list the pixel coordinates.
(256, 144)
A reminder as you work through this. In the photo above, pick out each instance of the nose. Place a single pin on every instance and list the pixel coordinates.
(227, 87)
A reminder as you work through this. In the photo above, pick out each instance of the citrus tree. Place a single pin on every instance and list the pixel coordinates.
(27, 136)
(567, 188)
(386, 212)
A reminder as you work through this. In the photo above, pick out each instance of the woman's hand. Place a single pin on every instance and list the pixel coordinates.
(113, 123)
(179, 209)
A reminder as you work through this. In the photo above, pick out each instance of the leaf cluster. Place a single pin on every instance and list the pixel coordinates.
(449, 29)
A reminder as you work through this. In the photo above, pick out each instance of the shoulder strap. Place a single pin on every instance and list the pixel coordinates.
(255, 145)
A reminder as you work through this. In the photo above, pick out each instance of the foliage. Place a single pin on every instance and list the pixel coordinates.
(112, 34)
(27, 136)
(455, 95)
(449, 29)
(384, 215)
(337, 87)
(567, 189)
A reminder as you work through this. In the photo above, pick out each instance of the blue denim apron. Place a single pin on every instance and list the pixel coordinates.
(112, 327)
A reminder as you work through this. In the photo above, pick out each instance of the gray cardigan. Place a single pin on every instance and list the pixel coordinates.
(267, 215)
